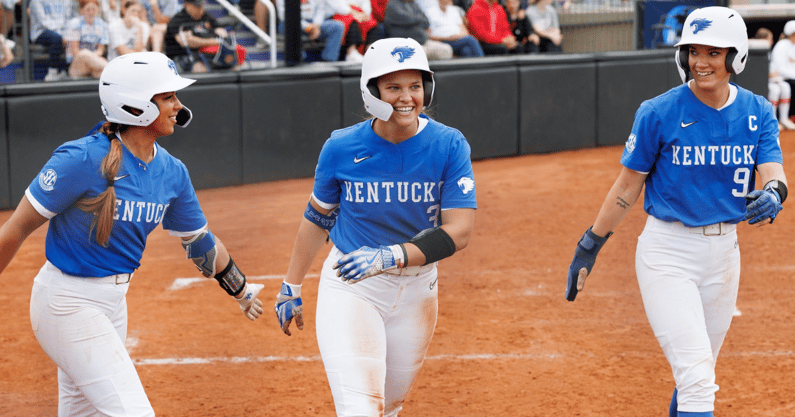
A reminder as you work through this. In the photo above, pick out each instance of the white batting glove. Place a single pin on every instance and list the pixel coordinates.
(366, 262)
(250, 305)
(289, 307)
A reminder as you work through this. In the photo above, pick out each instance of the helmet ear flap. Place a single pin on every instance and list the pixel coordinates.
(683, 62)
(372, 85)
(730, 60)
(427, 87)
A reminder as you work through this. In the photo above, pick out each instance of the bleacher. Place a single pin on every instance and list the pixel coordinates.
(256, 58)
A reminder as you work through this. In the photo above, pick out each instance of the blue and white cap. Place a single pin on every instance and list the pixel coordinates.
(131, 80)
(720, 27)
(387, 56)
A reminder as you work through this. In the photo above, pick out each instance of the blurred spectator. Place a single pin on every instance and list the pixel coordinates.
(109, 10)
(362, 28)
(86, 38)
(47, 24)
(9, 15)
(158, 14)
(544, 19)
(778, 91)
(405, 19)
(316, 26)
(190, 30)
(5, 49)
(447, 25)
(521, 28)
(261, 15)
(129, 33)
(489, 24)
(783, 55)
(378, 8)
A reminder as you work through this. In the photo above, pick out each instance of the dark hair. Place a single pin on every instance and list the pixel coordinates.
(103, 206)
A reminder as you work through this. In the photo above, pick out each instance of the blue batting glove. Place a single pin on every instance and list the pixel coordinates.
(366, 262)
(761, 205)
(584, 258)
(289, 306)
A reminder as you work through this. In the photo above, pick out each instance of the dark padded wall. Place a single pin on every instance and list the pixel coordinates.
(285, 123)
(481, 103)
(557, 107)
(39, 124)
(624, 82)
(5, 191)
(754, 76)
(352, 105)
(210, 145)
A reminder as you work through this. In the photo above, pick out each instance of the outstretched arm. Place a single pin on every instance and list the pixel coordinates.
(619, 200)
(22, 223)
(212, 259)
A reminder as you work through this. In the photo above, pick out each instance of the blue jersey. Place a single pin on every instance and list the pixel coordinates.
(700, 161)
(388, 192)
(146, 194)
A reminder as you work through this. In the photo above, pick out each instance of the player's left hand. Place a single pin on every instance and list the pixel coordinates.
(365, 262)
(250, 305)
(761, 205)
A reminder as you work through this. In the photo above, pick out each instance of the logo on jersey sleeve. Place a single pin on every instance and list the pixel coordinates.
(630, 145)
(466, 184)
(700, 24)
(47, 180)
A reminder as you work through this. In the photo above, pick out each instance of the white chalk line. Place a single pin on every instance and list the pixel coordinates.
(182, 283)
(448, 357)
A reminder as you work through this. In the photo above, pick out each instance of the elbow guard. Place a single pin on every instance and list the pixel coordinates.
(322, 220)
(202, 251)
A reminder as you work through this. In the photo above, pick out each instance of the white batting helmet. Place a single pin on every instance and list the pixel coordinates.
(130, 81)
(716, 26)
(391, 55)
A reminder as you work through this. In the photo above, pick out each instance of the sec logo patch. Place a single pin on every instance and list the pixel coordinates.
(47, 180)
(630, 145)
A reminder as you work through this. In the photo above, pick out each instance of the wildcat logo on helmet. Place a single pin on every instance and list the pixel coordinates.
(173, 66)
(402, 53)
(700, 24)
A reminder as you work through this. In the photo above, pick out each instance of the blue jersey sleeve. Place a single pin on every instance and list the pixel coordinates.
(458, 189)
(64, 178)
(327, 187)
(184, 215)
(769, 148)
(643, 146)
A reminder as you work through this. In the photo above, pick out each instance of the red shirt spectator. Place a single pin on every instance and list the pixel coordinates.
(378, 8)
(488, 21)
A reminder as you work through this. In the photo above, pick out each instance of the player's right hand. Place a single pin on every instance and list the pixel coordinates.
(584, 259)
(289, 307)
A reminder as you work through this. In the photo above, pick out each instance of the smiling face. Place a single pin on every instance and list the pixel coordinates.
(403, 90)
(708, 67)
(169, 105)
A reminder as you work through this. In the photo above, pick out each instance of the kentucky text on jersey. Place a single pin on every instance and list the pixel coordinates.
(713, 155)
(133, 211)
(388, 191)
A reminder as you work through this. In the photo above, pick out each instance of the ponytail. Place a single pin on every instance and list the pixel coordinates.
(103, 206)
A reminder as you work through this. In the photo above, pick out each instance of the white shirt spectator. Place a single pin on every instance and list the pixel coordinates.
(445, 24)
(89, 35)
(120, 35)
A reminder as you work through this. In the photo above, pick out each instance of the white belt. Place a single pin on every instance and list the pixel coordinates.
(411, 270)
(117, 279)
(717, 229)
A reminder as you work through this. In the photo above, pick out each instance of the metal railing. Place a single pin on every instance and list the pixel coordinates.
(270, 39)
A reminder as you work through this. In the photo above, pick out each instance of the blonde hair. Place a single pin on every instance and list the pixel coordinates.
(103, 206)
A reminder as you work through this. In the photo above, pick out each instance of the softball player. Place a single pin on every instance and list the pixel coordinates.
(696, 148)
(395, 194)
(103, 194)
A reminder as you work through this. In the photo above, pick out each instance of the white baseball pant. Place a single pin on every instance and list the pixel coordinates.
(373, 336)
(81, 323)
(688, 279)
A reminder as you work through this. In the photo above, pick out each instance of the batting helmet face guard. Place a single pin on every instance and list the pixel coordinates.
(130, 81)
(716, 26)
(391, 55)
